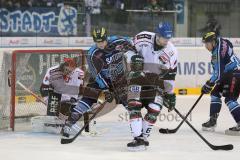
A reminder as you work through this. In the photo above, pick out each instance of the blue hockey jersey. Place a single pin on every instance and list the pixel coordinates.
(223, 60)
(105, 65)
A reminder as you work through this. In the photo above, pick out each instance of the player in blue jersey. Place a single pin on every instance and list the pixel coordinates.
(225, 81)
(105, 63)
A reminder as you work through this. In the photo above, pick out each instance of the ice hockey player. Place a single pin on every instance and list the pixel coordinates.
(160, 58)
(60, 87)
(67, 74)
(225, 81)
(105, 62)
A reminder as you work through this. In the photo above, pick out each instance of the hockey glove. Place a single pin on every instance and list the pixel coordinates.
(133, 75)
(207, 87)
(137, 63)
(73, 100)
(108, 96)
(169, 101)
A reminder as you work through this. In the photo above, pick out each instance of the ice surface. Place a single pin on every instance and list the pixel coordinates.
(111, 145)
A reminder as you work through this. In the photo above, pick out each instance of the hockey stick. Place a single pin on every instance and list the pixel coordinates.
(31, 92)
(60, 116)
(214, 147)
(170, 131)
(70, 140)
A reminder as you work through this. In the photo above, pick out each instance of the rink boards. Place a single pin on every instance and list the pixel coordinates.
(194, 68)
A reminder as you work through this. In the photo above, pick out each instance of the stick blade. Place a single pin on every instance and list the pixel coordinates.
(167, 131)
(223, 147)
(66, 141)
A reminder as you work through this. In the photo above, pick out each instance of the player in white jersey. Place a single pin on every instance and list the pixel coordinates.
(64, 79)
(160, 59)
(60, 88)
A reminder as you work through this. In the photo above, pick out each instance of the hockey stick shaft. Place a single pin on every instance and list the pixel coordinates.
(189, 112)
(70, 140)
(31, 92)
(214, 147)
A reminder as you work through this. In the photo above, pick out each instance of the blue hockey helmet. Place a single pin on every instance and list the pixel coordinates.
(164, 29)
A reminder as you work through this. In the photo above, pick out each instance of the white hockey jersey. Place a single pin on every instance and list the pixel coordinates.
(155, 61)
(68, 85)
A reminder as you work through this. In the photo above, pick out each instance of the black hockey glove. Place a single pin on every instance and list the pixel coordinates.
(207, 87)
(137, 74)
(137, 63)
(108, 96)
(169, 101)
(73, 100)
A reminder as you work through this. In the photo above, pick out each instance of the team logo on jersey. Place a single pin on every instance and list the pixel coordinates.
(113, 58)
(141, 36)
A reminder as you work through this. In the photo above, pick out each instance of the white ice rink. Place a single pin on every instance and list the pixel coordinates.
(111, 145)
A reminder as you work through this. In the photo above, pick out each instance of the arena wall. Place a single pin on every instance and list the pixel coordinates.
(194, 67)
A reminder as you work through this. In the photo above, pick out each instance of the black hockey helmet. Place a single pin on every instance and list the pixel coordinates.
(99, 34)
(209, 37)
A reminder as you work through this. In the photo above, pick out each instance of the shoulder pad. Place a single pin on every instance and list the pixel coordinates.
(92, 49)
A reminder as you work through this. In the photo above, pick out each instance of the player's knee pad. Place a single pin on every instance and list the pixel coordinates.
(78, 110)
(82, 107)
(216, 99)
(232, 104)
(153, 111)
(135, 114)
(234, 108)
(134, 105)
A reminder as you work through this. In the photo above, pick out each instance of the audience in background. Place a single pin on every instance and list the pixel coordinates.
(93, 6)
(160, 5)
(212, 25)
(153, 6)
(29, 3)
(96, 5)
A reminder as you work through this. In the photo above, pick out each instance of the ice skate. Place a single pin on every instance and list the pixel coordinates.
(69, 130)
(211, 124)
(138, 144)
(233, 131)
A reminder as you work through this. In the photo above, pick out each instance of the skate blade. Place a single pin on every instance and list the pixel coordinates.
(137, 149)
(232, 133)
(212, 129)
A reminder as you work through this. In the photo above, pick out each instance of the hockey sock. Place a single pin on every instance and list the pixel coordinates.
(134, 108)
(136, 126)
(150, 118)
(147, 127)
(234, 108)
(216, 105)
